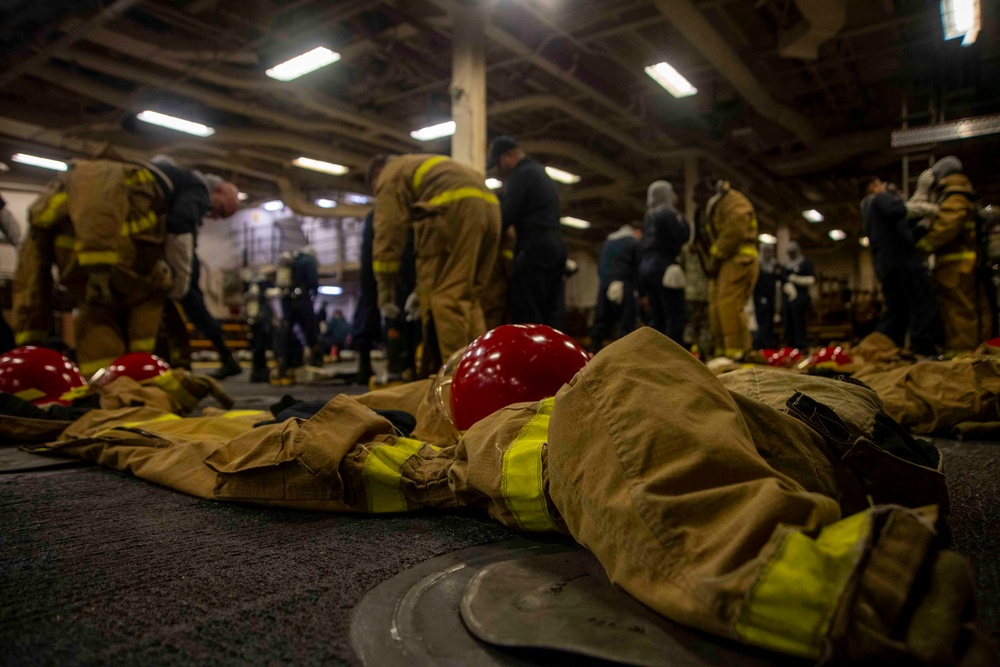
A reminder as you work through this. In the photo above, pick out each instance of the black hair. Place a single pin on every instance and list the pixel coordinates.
(375, 165)
(865, 183)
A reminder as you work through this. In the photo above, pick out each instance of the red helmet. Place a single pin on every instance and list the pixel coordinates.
(831, 357)
(39, 375)
(788, 356)
(513, 363)
(137, 365)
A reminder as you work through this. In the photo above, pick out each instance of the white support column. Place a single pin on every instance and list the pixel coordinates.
(690, 182)
(468, 85)
(784, 236)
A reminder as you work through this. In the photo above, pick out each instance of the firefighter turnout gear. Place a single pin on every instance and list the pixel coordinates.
(952, 238)
(102, 224)
(455, 221)
(731, 224)
(753, 522)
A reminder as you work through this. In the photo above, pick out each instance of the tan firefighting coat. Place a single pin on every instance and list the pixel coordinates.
(100, 217)
(952, 240)
(746, 513)
(732, 228)
(456, 233)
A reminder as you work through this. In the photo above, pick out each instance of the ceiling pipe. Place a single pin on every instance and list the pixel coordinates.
(310, 99)
(833, 151)
(223, 135)
(821, 20)
(67, 40)
(702, 35)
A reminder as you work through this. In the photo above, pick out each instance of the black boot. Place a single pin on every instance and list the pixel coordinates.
(229, 368)
(364, 367)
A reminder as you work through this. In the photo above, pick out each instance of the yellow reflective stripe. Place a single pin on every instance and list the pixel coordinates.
(425, 166)
(65, 241)
(50, 214)
(507, 254)
(91, 257)
(29, 394)
(142, 223)
(793, 600)
(237, 414)
(714, 251)
(30, 336)
(142, 344)
(168, 417)
(75, 393)
(139, 177)
(748, 250)
(88, 368)
(385, 267)
(956, 256)
(733, 352)
(449, 196)
(521, 484)
(382, 474)
(170, 384)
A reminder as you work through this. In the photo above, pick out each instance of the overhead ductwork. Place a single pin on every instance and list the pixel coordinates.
(702, 35)
(821, 20)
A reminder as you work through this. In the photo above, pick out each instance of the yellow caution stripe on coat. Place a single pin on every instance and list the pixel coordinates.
(65, 241)
(521, 485)
(139, 224)
(30, 336)
(96, 257)
(88, 368)
(170, 384)
(458, 194)
(382, 474)
(956, 257)
(55, 210)
(385, 267)
(426, 166)
(792, 603)
(142, 344)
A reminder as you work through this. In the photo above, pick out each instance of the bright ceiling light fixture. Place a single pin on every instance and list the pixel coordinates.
(865, 241)
(326, 203)
(274, 205)
(562, 176)
(961, 18)
(242, 196)
(174, 123)
(43, 162)
(812, 215)
(575, 223)
(668, 77)
(769, 239)
(445, 129)
(303, 64)
(355, 198)
(837, 234)
(319, 165)
(494, 183)
(330, 290)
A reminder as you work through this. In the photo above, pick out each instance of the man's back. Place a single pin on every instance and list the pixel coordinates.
(531, 202)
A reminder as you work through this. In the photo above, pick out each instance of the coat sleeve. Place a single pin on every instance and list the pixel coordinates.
(733, 219)
(948, 224)
(391, 224)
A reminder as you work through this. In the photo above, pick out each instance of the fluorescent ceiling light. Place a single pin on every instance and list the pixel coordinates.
(174, 123)
(668, 77)
(319, 165)
(274, 205)
(865, 241)
(575, 223)
(43, 162)
(837, 234)
(445, 129)
(961, 18)
(769, 239)
(303, 64)
(330, 290)
(494, 183)
(562, 176)
(325, 203)
(812, 215)
(356, 198)
(242, 196)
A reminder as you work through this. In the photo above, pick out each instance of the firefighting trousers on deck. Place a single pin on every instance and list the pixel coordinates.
(739, 508)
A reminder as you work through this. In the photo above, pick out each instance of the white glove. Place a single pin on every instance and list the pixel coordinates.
(390, 311)
(802, 281)
(412, 307)
(925, 223)
(674, 277)
(924, 184)
(616, 291)
(790, 291)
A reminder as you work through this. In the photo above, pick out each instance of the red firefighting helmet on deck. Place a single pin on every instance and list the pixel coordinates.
(137, 365)
(513, 363)
(39, 375)
(831, 357)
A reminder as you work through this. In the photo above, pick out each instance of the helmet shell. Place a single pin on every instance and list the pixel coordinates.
(137, 365)
(39, 375)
